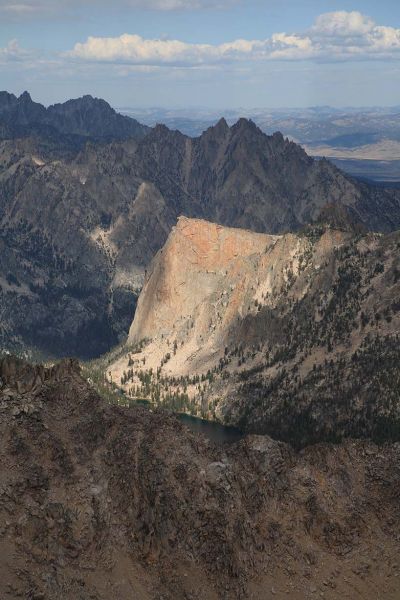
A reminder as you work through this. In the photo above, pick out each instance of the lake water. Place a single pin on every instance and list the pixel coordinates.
(217, 433)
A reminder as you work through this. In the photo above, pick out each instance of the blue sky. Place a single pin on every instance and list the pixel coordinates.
(214, 53)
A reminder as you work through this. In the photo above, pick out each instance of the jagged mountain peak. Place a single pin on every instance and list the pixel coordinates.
(161, 129)
(7, 97)
(93, 116)
(278, 135)
(25, 96)
(221, 128)
(222, 124)
(85, 116)
(245, 124)
(246, 131)
(4, 94)
(83, 101)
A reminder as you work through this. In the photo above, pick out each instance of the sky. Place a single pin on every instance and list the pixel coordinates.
(203, 53)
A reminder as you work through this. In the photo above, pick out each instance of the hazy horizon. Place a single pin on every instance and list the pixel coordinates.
(209, 109)
(213, 53)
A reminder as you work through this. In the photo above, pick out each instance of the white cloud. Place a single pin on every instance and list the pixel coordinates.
(291, 47)
(351, 34)
(18, 8)
(333, 36)
(133, 49)
(342, 24)
(13, 53)
(137, 50)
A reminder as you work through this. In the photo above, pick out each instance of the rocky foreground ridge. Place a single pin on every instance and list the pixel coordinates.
(294, 335)
(100, 502)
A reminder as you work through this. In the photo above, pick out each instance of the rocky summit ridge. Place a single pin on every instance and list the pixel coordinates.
(100, 502)
(81, 117)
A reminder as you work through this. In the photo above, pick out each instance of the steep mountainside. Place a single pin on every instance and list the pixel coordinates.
(239, 176)
(75, 243)
(295, 335)
(100, 502)
(82, 217)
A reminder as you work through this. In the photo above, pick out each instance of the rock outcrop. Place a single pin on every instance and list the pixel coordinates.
(98, 501)
(289, 335)
(198, 284)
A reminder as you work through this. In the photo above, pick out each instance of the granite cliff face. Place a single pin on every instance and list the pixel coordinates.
(183, 289)
(289, 335)
(98, 501)
(83, 210)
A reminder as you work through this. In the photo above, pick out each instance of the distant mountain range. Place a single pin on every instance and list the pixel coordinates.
(347, 127)
(363, 142)
(84, 117)
(87, 197)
